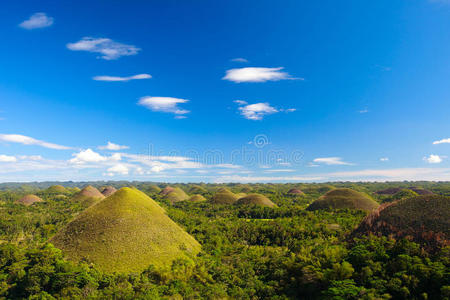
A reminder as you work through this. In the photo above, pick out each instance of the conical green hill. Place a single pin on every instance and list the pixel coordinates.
(56, 189)
(126, 232)
(197, 198)
(176, 195)
(224, 196)
(108, 191)
(88, 195)
(256, 199)
(423, 219)
(29, 200)
(344, 198)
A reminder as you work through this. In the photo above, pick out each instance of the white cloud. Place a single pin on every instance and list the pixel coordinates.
(280, 170)
(253, 74)
(7, 158)
(363, 111)
(26, 140)
(257, 111)
(164, 104)
(331, 161)
(384, 159)
(31, 157)
(113, 147)
(38, 20)
(108, 48)
(89, 156)
(433, 159)
(443, 141)
(119, 169)
(239, 59)
(117, 78)
(240, 102)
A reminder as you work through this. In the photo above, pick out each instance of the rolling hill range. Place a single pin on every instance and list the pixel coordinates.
(125, 232)
(344, 198)
(423, 219)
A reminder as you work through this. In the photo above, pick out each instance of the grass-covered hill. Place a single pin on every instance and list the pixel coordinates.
(126, 232)
(29, 200)
(342, 198)
(174, 194)
(56, 189)
(295, 192)
(423, 219)
(197, 189)
(108, 191)
(224, 196)
(88, 196)
(256, 199)
(197, 198)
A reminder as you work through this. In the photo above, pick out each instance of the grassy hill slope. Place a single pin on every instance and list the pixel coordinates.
(344, 198)
(125, 232)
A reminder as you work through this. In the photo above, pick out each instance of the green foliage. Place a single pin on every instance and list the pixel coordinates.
(248, 251)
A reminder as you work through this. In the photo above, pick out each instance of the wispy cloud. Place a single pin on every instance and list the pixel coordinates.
(113, 147)
(26, 140)
(239, 59)
(443, 141)
(256, 74)
(117, 78)
(384, 159)
(258, 111)
(108, 48)
(38, 20)
(7, 158)
(433, 159)
(164, 104)
(363, 111)
(331, 161)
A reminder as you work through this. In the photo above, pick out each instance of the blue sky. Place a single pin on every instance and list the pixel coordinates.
(220, 91)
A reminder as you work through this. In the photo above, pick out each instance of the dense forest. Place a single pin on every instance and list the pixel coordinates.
(248, 251)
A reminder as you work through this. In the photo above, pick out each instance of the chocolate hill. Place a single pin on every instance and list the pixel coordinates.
(423, 219)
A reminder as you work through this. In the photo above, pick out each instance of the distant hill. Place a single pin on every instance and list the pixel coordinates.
(256, 199)
(56, 189)
(29, 200)
(296, 192)
(421, 191)
(174, 194)
(344, 198)
(389, 191)
(423, 219)
(108, 191)
(224, 196)
(196, 189)
(88, 195)
(197, 198)
(125, 232)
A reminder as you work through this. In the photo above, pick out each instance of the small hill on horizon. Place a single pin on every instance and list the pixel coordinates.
(295, 192)
(423, 219)
(342, 198)
(224, 196)
(88, 195)
(126, 232)
(256, 199)
(108, 191)
(56, 189)
(29, 200)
